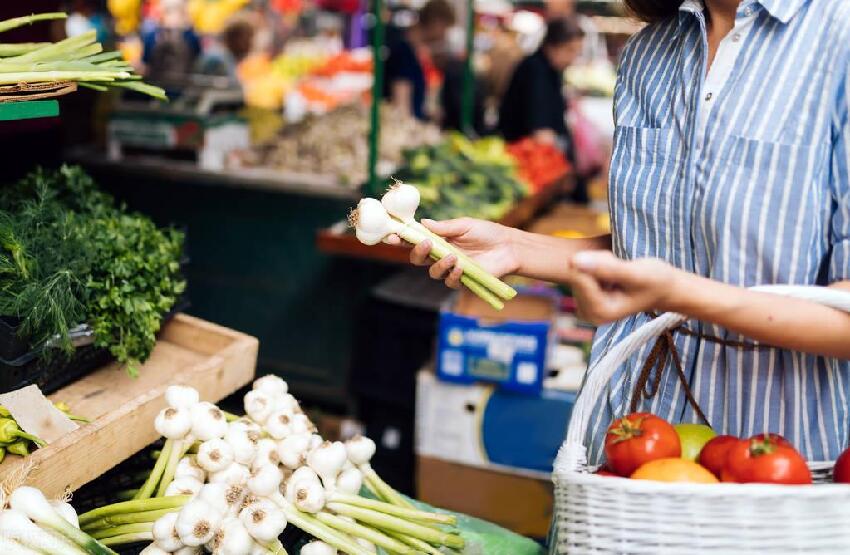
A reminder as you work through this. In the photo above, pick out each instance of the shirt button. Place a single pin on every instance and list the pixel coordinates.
(749, 11)
(708, 97)
(736, 37)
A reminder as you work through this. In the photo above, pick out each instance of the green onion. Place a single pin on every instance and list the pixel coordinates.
(16, 22)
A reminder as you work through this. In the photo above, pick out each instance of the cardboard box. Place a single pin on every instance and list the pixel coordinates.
(484, 426)
(508, 347)
(519, 502)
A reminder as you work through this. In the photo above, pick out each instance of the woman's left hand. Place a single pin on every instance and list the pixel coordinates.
(607, 288)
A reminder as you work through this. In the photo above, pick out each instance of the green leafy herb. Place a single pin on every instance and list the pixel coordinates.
(69, 255)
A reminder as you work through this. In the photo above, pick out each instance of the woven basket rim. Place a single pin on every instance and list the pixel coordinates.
(35, 91)
(705, 491)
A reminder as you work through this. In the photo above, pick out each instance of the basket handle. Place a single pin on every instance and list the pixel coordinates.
(600, 373)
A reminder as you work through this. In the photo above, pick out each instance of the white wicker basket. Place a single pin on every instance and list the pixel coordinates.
(599, 514)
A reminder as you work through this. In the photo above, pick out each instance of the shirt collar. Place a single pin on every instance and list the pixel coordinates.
(783, 10)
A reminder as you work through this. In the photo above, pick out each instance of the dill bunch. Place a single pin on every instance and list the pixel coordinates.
(70, 255)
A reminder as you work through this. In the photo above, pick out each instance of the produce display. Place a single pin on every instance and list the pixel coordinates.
(69, 256)
(323, 78)
(538, 164)
(645, 447)
(374, 220)
(336, 143)
(78, 59)
(231, 485)
(32, 525)
(459, 177)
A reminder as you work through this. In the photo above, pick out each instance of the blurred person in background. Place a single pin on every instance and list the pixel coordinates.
(170, 45)
(404, 77)
(533, 104)
(222, 57)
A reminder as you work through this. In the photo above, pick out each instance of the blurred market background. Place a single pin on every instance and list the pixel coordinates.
(263, 149)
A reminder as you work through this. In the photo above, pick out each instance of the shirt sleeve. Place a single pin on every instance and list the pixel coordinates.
(839, 264)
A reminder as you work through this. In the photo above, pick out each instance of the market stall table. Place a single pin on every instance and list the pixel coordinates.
(215, 360)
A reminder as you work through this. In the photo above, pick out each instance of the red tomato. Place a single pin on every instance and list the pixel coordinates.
(778, 439)
(765, 461)
(639, 438)
(841, 472)
(713, 454)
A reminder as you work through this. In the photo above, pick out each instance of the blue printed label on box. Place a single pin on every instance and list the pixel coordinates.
(511, 353)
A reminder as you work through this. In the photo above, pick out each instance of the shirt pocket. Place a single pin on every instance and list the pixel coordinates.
(771, 201)
(644, 170)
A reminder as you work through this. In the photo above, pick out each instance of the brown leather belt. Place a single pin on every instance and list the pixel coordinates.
(664, 347)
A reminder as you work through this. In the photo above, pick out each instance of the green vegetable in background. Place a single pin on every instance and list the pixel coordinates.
(460, 177)
(69, 255)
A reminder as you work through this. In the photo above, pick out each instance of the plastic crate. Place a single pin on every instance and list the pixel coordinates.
(52, 374)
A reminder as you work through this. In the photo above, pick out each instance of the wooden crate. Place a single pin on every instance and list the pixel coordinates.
(215, 360)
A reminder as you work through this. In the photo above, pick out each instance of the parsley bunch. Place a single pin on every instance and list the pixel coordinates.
(70, 255)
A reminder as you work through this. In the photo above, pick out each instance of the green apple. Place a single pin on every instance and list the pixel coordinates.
(693, 437)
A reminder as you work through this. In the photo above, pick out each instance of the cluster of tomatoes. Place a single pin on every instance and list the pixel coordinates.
(644, 446)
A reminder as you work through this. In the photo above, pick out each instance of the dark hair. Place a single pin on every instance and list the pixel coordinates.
(653, 10)
(437, 11)
(238, 36)
(561, 31)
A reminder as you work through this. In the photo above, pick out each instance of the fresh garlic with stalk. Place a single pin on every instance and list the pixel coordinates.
(317, 548)
(271, 384)
(292, 449)
(258, 405)
(373, 223)
(265, 480)
(263, 521)
(196, 523)
(327, 460)
(184, 486)
(214, 455)
(208, 422)
(181, 396)
(188, 467)
(165, 534)
(278, 424)
(173, 423)
(401, 200)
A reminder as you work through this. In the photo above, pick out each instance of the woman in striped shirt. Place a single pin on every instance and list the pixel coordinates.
(731, 168)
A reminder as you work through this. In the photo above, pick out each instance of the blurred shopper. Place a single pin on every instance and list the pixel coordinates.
(170, 44)
(222, 57)
(404, 78)
(534, 104)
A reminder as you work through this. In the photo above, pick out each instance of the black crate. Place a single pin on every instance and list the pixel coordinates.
(11, 346)
(395, 338)
(54, 373)
(392, 430)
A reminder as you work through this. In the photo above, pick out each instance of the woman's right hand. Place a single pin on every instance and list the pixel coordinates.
(491, 245)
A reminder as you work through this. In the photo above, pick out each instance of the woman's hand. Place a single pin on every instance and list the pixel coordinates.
(488, 243)
(607, 288)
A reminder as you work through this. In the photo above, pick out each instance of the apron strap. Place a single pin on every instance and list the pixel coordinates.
(649, 378)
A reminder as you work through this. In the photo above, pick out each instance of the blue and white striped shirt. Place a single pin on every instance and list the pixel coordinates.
(759, 194)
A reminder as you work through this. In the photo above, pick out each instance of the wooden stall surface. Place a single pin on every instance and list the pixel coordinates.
(215, 360)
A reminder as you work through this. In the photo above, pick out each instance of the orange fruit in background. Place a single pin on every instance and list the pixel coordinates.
(674, 470)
